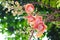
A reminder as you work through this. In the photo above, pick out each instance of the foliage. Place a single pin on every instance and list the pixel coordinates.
(12, 19)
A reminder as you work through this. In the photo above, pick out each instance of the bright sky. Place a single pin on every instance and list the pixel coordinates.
(45, 38)
(3, 36)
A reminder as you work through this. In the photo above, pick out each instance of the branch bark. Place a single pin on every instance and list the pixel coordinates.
(47, 6)
(32, 31)
(50, 17)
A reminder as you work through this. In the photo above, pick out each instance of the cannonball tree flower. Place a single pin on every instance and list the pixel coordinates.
(40, 30)
(37, 24)
(38, 20)
(30, 18)
(35, 20)
(29, 8)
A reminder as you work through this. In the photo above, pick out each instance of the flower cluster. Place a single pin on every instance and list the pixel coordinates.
(36, 22)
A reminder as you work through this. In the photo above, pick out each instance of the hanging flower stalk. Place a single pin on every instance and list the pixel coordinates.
(36, 22)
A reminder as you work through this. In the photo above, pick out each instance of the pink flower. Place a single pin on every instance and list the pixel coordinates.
(29, 8)
(37, 24)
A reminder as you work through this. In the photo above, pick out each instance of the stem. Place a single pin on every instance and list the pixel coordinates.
(32, 31)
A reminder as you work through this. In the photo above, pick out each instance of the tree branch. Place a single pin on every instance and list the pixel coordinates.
(47, 6)
(32, 31)
(50, 17)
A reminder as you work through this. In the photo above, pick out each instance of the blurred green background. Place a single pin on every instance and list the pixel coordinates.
(12, 20)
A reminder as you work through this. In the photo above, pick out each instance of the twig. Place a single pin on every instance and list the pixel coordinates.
(51, 17)
(47, 6)
(54, 10)
(32, 31)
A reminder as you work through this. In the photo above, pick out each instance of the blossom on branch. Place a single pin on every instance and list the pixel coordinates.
(36, 22)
